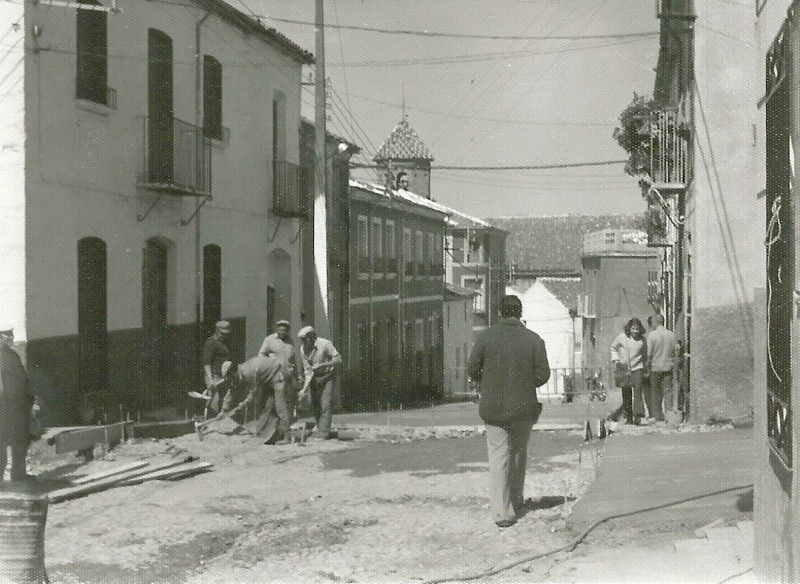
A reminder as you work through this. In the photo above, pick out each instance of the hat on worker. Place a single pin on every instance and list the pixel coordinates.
(6, 327)
(223, 326)
(284, 322)
(305, 331)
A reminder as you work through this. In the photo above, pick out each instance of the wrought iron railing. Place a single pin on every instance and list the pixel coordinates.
(177, 157)
(291, 189)
(669, 148)
(89, 88)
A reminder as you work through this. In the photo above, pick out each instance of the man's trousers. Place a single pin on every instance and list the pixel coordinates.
(19, 454)
(322, 404)
(508, 450)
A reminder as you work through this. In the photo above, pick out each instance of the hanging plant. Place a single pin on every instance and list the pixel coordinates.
(633, 134)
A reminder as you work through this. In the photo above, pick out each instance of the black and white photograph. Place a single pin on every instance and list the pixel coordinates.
(399, 291)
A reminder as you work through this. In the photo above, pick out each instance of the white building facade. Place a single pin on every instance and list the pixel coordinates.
(161, 191)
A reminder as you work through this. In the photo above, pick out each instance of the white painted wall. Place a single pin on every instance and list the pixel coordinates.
(84, 162)
(544, 313)
(12, 172)
(457, 334)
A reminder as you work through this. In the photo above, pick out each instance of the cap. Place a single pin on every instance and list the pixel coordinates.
(285, 323)
(305, 331)
(226, 366)
(223, 326)
(6, 327)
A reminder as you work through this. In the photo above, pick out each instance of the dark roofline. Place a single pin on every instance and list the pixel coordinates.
(240, 20)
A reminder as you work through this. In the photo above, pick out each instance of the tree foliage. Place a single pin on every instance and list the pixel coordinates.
(632, 135)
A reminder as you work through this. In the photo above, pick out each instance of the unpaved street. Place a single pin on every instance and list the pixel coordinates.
(326, 512)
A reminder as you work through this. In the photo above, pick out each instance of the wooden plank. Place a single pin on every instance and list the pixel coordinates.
(88, 437)
(161, 429)
(110, 472)
(170, 473)
(100, 485)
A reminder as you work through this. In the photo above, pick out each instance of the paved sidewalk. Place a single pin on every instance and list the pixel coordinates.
(657, 469)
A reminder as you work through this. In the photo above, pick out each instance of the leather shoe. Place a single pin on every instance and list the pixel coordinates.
(505, 523)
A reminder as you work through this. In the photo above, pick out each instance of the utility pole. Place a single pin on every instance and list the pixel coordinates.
(321, 313)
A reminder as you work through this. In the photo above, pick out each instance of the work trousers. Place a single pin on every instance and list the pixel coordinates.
(507, 445)
(282, 408)
(19, 454)
(661, 390)
(322, 404)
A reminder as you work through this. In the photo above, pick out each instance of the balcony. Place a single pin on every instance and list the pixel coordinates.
(291, 189)
(177, 158)
(91, 88)
(669, 149)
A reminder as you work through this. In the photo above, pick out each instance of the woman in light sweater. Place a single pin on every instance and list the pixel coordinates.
(629, 353)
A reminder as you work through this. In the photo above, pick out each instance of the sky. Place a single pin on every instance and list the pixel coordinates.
(487, 102)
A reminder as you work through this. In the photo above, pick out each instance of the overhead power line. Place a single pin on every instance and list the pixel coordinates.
(522, 167)
(457, 35)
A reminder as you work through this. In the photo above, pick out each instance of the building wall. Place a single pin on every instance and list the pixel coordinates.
(458, 338)
(394, 342)
(82, 182)
(12, 187)
(618, 288)
(727, 217)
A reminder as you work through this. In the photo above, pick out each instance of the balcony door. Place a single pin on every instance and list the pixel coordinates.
(160, 107)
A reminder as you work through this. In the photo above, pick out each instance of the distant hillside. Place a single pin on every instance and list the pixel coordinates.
(553, 244)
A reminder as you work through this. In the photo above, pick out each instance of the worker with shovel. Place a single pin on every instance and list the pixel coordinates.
(251, 399)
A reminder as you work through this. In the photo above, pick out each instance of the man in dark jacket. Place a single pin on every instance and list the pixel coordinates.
(16, 399)
(509, 362)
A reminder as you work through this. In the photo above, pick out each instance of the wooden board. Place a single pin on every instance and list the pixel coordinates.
(109, 482)
(88, 437)
(110, 472)
(170, 473)
(161, 429)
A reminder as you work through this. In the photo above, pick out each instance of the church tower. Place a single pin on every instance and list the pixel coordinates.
(403, 151)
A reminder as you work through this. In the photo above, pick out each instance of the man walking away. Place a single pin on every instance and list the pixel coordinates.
(16, 400)
(279, 345)
(661, 356)
(320, 362)
(510, 362)
(215, 353)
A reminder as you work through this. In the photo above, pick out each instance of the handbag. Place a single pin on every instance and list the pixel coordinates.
(622, 376)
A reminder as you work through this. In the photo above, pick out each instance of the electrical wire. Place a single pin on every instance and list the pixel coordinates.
(569, 547)
(478, 57)
(435, 34)
(773, 236)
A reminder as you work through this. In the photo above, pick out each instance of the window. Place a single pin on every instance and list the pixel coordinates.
(391, 251)
(377, 247)
(435, 255)
(91, 50)
(419, 251)
(408, 256)
(479, 300)
(212, 98)
(457, 249)
(363, 246)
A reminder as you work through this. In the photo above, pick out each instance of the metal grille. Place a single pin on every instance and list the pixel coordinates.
(177, 158)
(780, 252)
(669, 147)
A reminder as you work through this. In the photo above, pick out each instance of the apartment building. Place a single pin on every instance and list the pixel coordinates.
(157, 190)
